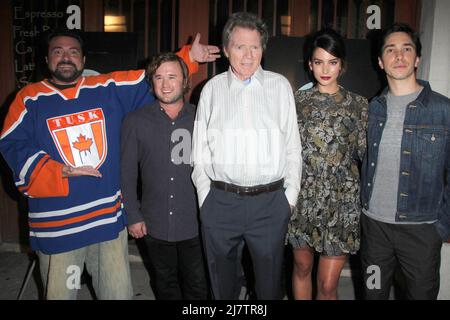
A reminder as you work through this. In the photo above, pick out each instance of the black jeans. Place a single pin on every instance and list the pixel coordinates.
(415, 248)
(178, 268)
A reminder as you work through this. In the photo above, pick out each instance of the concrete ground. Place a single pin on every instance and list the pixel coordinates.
(444, 293)
(14, 265)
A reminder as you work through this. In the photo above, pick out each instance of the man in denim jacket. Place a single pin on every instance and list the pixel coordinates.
(405, 175)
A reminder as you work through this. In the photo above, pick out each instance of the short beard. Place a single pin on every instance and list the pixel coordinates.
(66, 78)
(173, 100)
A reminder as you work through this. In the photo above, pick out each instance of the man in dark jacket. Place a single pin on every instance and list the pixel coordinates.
(405, 175)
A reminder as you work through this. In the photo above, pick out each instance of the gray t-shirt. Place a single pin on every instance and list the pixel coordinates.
(383, 203)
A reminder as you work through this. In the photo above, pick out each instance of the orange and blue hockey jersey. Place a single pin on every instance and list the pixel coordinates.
(46, 128)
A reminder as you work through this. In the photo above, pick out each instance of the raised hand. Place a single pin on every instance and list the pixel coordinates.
(203, 52)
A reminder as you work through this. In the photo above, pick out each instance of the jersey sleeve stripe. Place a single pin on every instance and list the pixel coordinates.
(28, 164)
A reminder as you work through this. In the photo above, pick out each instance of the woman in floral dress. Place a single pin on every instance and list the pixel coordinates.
(332, 123)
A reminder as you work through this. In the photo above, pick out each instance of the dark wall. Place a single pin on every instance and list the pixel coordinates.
(105, 52)
(285, 55)
(111, 51)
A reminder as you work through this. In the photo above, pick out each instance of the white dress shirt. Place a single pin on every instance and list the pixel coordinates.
(246, 133)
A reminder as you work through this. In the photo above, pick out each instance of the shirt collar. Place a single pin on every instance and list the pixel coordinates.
(423, 96)
(186, 110)
(258, 76)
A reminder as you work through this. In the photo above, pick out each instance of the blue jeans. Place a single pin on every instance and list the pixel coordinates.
(107, 263)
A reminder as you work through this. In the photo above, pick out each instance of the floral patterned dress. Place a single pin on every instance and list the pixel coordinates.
(333, 134)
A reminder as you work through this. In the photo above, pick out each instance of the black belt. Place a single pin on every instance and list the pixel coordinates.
(248, 191)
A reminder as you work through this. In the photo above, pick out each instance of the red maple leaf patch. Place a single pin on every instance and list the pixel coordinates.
(82, 144)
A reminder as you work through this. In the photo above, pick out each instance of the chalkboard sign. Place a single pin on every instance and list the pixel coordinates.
(32, 19)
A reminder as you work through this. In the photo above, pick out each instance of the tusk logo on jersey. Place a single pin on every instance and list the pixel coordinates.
(80, 137)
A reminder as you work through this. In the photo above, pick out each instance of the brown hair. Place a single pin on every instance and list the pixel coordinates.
(161, 58)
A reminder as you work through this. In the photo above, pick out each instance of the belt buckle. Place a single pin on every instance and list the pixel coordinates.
(252, 191)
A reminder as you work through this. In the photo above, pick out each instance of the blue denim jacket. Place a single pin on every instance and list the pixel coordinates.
(424, 178)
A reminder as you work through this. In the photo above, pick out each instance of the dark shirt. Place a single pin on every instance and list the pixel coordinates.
(162, 148)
